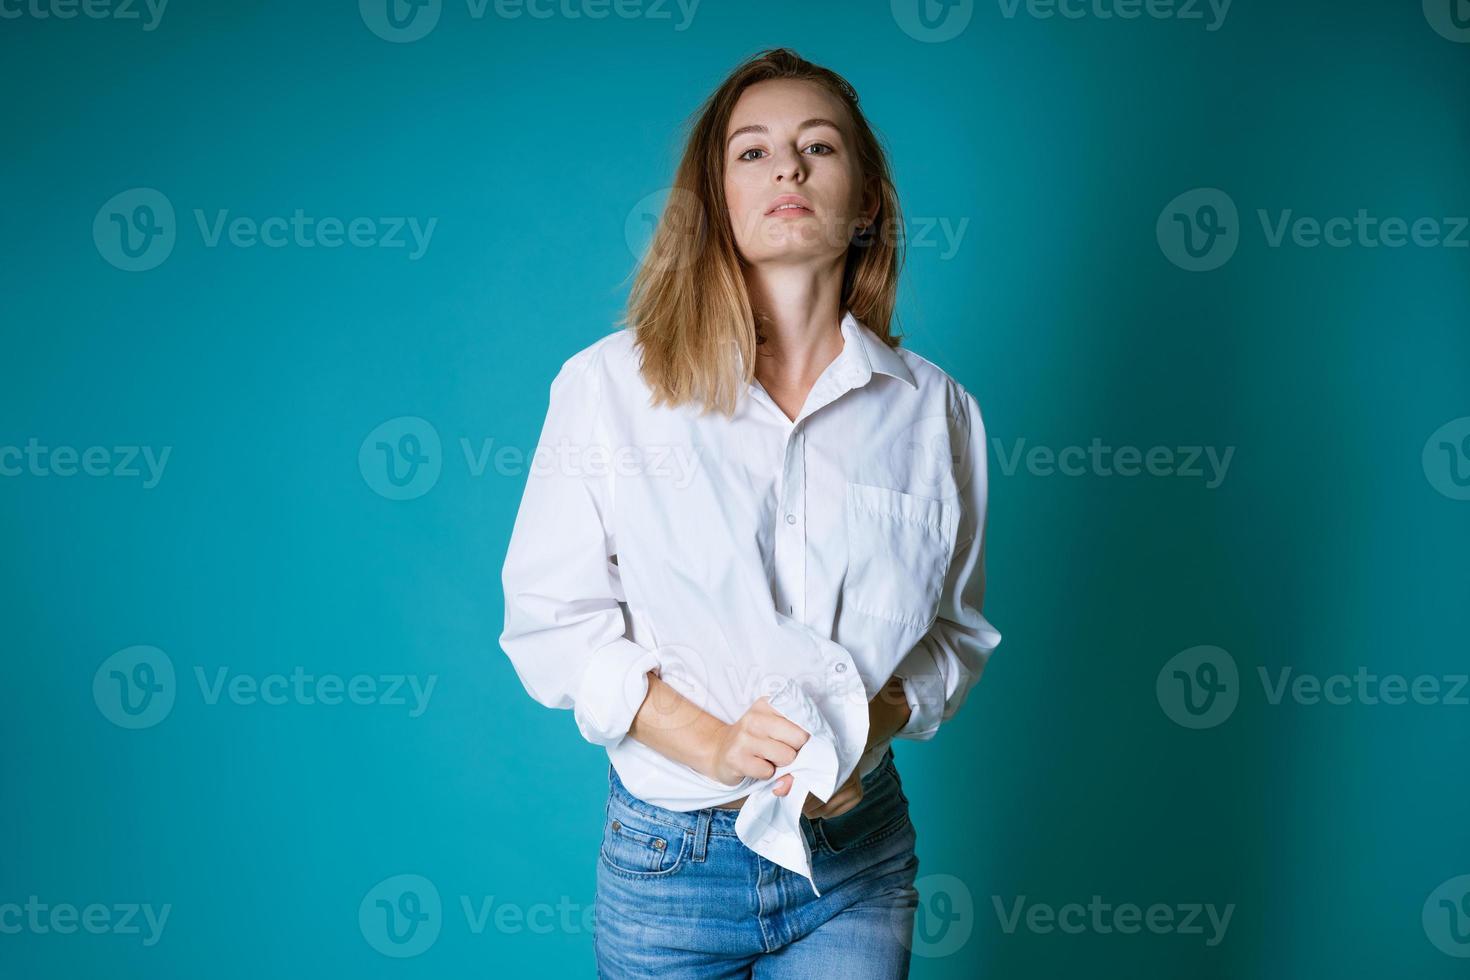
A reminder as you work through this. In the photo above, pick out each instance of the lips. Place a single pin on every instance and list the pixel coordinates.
(788, 203)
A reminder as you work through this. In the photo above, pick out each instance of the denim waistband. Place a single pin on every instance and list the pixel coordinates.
(719, 820)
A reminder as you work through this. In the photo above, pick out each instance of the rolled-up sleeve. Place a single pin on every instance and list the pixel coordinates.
(944, 665)
(565, 631)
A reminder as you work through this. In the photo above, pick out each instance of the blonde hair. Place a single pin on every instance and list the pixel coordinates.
(688, 306)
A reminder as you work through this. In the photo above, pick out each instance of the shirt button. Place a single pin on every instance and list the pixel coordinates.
(790, 518)
(840, 668)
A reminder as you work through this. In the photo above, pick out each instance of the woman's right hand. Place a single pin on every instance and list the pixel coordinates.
(754, 745)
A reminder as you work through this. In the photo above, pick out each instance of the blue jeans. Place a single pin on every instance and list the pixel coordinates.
(679, 896)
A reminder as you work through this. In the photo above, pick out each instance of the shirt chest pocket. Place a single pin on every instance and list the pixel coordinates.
(899, 547)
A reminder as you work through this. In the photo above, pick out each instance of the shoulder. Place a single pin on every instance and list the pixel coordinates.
(605, 363)
(608, 351)
(936, 386)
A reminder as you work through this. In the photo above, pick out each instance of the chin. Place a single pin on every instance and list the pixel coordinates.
(789, 243)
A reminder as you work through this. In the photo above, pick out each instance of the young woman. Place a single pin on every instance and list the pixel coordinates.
(751, 552)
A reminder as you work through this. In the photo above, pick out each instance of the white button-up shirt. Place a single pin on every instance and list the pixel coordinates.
(802, 560)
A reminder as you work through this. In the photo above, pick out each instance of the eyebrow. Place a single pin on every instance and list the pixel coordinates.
(808, 124)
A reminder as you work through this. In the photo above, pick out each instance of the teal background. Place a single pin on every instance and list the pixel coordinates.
(265, 547)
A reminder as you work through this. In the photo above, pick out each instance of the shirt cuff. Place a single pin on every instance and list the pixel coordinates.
(613, 686)
(923, 689)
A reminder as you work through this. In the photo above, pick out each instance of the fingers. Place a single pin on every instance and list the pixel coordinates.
(780, 753)
(836, 806)
(755, 766)
(767, 721)
(847, 796)
(763, 741)
(760, 756)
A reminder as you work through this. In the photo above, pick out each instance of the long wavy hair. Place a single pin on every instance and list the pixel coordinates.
(689, 307)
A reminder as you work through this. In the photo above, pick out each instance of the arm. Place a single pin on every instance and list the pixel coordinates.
(676, 728)
(888, 712)
(564, 628)
(752, 745)
(939, 671)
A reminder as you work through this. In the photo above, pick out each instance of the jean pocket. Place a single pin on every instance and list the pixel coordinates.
(883, 812)
(636, 845)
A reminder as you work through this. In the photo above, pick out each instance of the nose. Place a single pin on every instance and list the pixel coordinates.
(789, 167)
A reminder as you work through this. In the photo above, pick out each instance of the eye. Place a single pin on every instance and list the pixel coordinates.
(823, 146)
(746, 154)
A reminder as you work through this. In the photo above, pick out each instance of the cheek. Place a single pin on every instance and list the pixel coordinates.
(845, 186)
(744, 203)
(742, 190)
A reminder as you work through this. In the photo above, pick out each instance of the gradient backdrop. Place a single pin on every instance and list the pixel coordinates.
(1204, 268)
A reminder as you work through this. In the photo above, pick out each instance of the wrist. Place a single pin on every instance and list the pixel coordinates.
(707, 742)
(888, 712)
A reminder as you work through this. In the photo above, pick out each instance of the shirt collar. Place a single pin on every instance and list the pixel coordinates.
(868, 353)
(863, 354)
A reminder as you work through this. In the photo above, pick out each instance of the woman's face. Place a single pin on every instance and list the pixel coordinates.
(792, 181)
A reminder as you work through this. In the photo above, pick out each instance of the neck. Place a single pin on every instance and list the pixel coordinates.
(798, 310)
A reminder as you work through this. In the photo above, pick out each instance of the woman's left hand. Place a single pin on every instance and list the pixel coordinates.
(847, 796)
(888, 711)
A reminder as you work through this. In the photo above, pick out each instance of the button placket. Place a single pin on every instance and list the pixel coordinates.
(793, 550)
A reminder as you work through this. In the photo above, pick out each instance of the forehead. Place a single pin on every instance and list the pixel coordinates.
(786, 102)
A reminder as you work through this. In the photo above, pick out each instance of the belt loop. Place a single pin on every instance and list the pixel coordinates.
(816, 838)
(701, 834)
